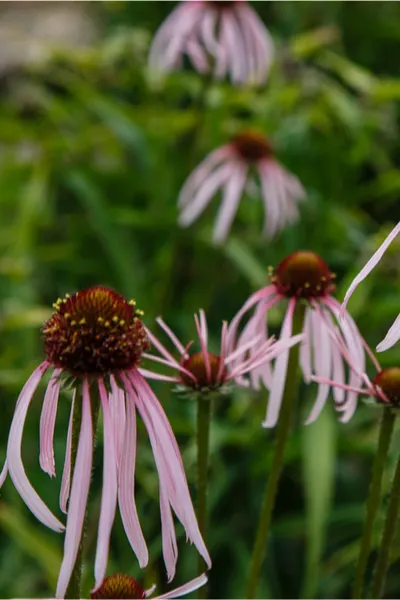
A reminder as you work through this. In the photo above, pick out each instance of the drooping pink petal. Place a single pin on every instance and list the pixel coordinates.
(264, 44)
(109, 493)
(202, 172)
(126, 486)
(168, 459)
(205, 193)
(232, 195)
(47, 423)
(373, 261)
(117, 407)
(158, 377)
(187, 588)
(3, 474)
(233, 43)
(392, 336)
(169, 41)
(168, 535)
(322, 361)
(66, 476)
(79, 494)
(306, 347)
(14, 459)
(279, 374)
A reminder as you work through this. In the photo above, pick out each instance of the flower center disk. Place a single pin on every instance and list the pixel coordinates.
(119, 586)
(252, 146)
(389, 382)
(95, 331)
(303, 274)
(197, 366)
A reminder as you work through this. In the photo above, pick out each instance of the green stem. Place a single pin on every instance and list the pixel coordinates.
(282, 436)
(372, 506)
(389, 530)
(204, 409)
(74, 586)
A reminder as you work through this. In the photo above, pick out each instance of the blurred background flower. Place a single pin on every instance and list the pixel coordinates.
(93, 154)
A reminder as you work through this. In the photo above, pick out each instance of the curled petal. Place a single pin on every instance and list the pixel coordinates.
(47, 423)
(14, 459)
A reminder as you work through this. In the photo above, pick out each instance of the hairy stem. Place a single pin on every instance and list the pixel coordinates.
(389, 530)
(374, 494)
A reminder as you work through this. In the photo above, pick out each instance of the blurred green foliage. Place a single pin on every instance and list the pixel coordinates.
(93, 153)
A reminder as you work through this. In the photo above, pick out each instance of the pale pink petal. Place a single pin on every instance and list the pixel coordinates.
(179, 346)
(109, 493)
(205, 194)
(322, 361)
(168, 460)
(223, 350)
(197, 56)
(343, 386)
(202, 172)
(279, 374)
(3, 474)
(126, 486)
(79, 494)
(203, 326)
(262, 39)
(204, 349)
(157, 376)
(47, 423)
(162, 350)
(168, 535)
(117, 406)
(187, 588)
(66, 476)
(373, 261)
(14, 459)
(234, 47)
(267, 293)
(232, 195)
(305, 348)
(392, 336)
(271, 202)
(169, 41)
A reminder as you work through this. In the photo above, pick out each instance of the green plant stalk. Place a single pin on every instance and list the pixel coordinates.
(389, 530)
(74, 586)
(204, 411)
(374, 494)
(282, 436)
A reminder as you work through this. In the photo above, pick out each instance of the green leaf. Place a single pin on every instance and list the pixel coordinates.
(318, 472)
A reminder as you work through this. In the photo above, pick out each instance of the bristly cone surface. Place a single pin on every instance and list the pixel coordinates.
(304, 275)
(95, 331)
(119, 586)
(389, 382)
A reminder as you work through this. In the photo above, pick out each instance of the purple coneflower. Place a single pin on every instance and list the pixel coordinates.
(205, 372)
(95, 339)
(229, 169)
(304, 277)
(393, 335)
(124, 586)
(222, 37)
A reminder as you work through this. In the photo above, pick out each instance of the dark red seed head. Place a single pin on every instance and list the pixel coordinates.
(389, 382)
(252, 146)
(303, 275)
(119, 586)
(197, 366)
(95, 331)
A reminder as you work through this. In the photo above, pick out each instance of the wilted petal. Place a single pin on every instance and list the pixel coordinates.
(66, 476)
(187, 588)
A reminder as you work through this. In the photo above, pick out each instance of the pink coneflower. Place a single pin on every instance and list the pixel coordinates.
(221, 37)
(229, 169)
(95, 339)
(393, 335)
(124, 586)
(305, 277)
(205, 372)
